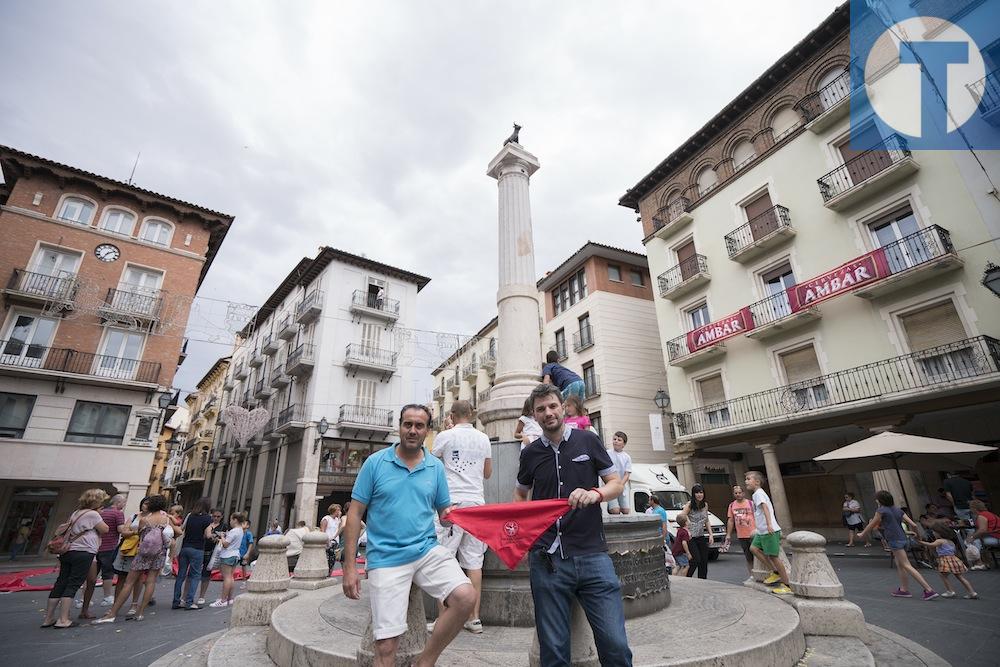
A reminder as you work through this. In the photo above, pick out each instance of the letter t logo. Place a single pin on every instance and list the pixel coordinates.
(933, 58)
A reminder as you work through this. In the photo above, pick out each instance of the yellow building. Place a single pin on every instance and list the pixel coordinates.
(204, 407)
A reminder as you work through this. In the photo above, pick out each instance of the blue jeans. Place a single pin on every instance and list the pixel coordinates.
(189, 562)
(577, 388)
(592, 580)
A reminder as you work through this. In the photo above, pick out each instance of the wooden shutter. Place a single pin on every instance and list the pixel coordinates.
(937, 325)
(712, 391)
(761, 214)
(873, 161)
(685, 258)
(758, 206)
(801, 365)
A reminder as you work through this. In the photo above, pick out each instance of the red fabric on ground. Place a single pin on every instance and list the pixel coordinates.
(510, 528)
(17, 581)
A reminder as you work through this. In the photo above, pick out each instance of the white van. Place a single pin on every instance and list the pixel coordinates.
(648, 479)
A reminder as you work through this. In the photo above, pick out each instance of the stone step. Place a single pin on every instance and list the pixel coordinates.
(193, 654)
(241, 647)
(836, 652)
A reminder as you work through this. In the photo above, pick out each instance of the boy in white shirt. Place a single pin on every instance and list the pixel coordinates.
(623, 466)
(766, 543)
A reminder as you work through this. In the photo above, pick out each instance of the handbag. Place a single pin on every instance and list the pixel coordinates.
(129, 545)
(213, 562)
(63, 537)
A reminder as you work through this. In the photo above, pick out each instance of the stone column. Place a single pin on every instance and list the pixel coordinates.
(776, 485)
(684, 460)
(311, 570)
(267, 587)
(519, 358)
(257, 497)
(818, 592)
(308, 477)
(411, 644)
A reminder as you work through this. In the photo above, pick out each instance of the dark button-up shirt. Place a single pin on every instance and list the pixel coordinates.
(553, 470)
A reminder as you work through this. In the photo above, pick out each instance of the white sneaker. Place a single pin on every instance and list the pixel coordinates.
(108, 601)
(948, 594)
(219, 604)
(474, 626)
(201, 601)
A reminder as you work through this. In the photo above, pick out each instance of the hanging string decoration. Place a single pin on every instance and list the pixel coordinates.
(244, 424)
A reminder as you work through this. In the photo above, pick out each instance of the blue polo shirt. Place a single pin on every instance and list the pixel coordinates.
(401, 506)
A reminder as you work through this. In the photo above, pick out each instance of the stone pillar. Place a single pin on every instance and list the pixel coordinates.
(268, 585)
(776, 485)
(818, 592)
(411, 644)
(519, 358)
(684, 460)
(308, 477)
(311, 570)
(257, 497)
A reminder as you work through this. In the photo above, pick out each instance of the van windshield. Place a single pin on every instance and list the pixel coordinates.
(673, 500)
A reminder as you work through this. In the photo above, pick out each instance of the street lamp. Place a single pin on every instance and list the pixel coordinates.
(662, 400)
(322, 427)
(991, 278)
(165, 399)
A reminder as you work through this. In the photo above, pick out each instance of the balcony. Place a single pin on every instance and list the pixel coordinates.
(279, 378)
(229, 383)
(309, 308)
(365, 357)
(489, 362)
(262, 390)
(271, 433)
(685, 277)
(365, 418)
(131, 302)
(560, 349)
(453, 385)
(291, 420)
(240, 372)
(17, 357)
(761, 233)
(867, 174)
(256, 359)
(270, 344)
(482, 396)
(773, 316)
(470, 372)
(300, 361)
(987, 91)
(40, 288)
(286, 328)
(365, 303)
(950, 367)
(339, 476)
(437, 393)
(583, 339)
(679, 355)
(827, 105)
(672, 217)
(591, 386)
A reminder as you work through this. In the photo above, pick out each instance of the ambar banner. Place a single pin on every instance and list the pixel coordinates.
(845, 278)
(710, 334)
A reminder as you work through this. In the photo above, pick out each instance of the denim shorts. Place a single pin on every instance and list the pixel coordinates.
(682, 560)
(230, 561)
(898, 544)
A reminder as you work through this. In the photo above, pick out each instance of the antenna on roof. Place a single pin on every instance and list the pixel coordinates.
(134, 165)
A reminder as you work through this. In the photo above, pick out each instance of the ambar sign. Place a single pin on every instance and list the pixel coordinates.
(846, 277)
(709, 334)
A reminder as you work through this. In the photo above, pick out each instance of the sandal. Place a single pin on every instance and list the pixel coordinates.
(103, 619)
(64, 627)
(47, 625)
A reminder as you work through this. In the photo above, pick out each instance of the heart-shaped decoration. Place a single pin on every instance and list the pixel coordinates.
(245, 424)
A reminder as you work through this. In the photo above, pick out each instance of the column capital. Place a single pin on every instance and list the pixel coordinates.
(513, 155)
(768, 445)
(684, 450)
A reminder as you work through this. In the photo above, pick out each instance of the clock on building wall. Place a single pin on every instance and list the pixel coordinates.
(106, 252)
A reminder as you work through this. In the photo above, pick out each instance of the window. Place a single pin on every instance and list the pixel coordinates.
(832, 88)
(370, 337)
(570, 292)
(27, 341)
(687, 260)
(743, 154)
(713, 398)
(595, 422)
(614, 273)
(120, 355)
(590, 385)
(98, 423)
(15, 409)
(55, 262)
(51, 273)
(118, 221)
(937, 329)
(776, 283)
(586, 333)
(366, 393)
(899, 234)
(157, 231)
(784, 122)
(707, 180)
(76, 210)
(761, 215)
(560, 347)
(802, 372)
(699, 316)
(636, 276)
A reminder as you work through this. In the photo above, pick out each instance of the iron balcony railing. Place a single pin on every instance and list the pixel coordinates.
(756, 228)
(312, 300)
(293, 413)
(437, 393)
(136, 302)
(366, 354)
(23, 355)
(583, 338)
(560, 349)
(862, 167)
(366, 415)
(940, 366)
(671, 212)
(470, 370)
(450, 383)
(678, 347)
(987, 91)
(676, 275)
(56, 288)
(483, 396)
(303, 352)
(814, 104)
(367, 300)
(489, 360)
(591, 385)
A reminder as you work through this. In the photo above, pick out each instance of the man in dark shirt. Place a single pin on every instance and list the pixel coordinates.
(566, 380)
(571, 558)
(959, 491)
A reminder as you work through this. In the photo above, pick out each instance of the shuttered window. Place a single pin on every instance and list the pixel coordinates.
(712, 391)
(366, 393)
(801, 365)
(937, 325)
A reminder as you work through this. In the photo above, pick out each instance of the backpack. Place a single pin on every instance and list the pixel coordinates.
(64, 535)
(152, 542)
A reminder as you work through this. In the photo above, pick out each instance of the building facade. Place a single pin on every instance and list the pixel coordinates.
(170, 454)
(813, 291)
(99, 277)
(327, 349)
(598, 314)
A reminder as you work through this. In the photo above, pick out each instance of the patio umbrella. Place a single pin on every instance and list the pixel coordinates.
(902, 451)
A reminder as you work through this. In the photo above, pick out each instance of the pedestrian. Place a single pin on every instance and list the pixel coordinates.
(229, 558)
(656, 509)
(274, 528)
(958, 490)
(146, 565)
(127, 551)
(766, 544)
(402, 487)
(739, 516)
(80, 541)
(176, 515)
(890, 519)
(527, 429)
(681, 550)
(576, 414)
(209, 563)
(986, 524)
(247, 548)
(332, 525)
(696, 511)
(468, 461)
(623, 466)
(570, 559)
(944, 506)
(568, 382)
(853, 521)
(948, 562)
(296, 541)
(20, 539)
(114, 519)
(191, 555)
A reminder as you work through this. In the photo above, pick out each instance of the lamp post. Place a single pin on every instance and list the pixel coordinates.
(322, 427)
(991, 278)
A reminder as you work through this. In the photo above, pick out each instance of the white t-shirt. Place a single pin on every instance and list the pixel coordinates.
(530, 428)
(332, 526)
(621, 461)
(234, 537)
(760, 496)
(463, 450)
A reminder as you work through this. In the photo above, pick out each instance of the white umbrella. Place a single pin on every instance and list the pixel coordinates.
(902, 451)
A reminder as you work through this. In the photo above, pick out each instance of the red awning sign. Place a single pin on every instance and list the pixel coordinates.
(845, 278)
(710, 334)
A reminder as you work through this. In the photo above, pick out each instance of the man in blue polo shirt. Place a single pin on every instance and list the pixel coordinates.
(571, 558)
(401, 487)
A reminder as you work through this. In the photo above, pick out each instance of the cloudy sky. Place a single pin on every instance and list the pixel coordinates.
(368, 126)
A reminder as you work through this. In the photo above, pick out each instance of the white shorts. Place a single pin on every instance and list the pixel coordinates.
(436, 574)
(621, 502)
(468, 549)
